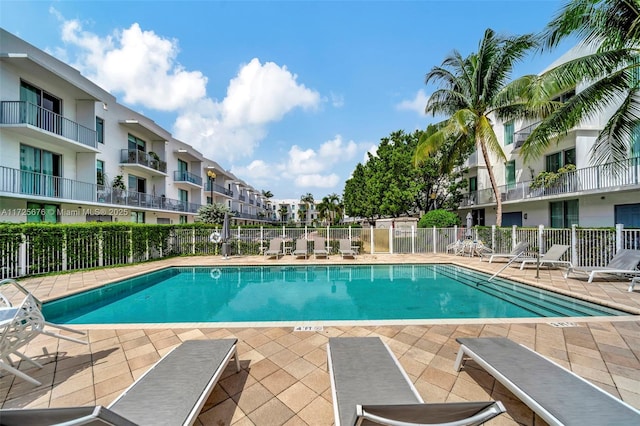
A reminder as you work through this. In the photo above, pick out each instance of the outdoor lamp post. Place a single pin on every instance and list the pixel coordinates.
(212, 176)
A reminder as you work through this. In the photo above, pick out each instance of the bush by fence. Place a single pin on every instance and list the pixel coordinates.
(30, 249)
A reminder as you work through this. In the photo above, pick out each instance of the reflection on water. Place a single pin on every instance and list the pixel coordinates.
(311, 293)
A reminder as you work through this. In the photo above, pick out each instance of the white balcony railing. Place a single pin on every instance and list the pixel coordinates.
(595, 178)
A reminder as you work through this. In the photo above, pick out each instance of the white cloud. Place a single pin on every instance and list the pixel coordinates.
(373, 150)
(306, 168)
(143, 67)
(416, 104)
(139, 64)
(337, 100)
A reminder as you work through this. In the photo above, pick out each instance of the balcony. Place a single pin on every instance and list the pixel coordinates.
(242, 197)
(521, 135)
(32, 185)
(39, 123)
(623, 176)
(142, 160)
(187, 178)
(219, 189)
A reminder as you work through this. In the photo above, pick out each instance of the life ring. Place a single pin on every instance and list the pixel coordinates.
(215, 237)
(215, 273)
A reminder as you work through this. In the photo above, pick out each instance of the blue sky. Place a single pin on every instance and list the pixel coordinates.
(289, 96)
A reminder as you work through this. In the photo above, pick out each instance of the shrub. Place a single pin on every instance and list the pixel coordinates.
(439, 219)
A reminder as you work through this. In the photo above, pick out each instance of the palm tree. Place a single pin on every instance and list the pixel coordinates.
(472, 91)
(337, 207)
(610, 32)
(267, 194)
(324, 210)
(283, 210)
(307, 200)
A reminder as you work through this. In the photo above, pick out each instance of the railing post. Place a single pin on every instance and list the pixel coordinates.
(64, 252)
(372, 242)
(513, 236)
(193, 241)
(541, 248)
(101, 248)
(22, 259)
(413, 239)
(391, 239)
(435, 237)
(493, 237)
(455, 234)
(574, 246)
(619, 239)
(130, 235)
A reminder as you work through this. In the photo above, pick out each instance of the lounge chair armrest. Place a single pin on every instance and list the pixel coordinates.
(440, 414)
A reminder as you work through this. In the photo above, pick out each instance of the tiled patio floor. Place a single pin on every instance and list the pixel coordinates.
(284, 378)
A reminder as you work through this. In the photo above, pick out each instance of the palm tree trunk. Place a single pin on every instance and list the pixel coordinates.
(494, 185)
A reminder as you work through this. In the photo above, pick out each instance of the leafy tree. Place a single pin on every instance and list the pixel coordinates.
(610, 30)
(471, 91)
(212, 213)
(357, 200)
(439, 219)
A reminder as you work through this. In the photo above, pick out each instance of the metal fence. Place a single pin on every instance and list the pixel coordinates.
(22, 255)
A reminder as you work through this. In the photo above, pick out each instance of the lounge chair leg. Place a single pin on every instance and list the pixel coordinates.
(459, 359)
(633, 283)
(235, 355)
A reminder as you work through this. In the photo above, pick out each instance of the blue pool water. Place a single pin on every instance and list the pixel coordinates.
(313, 293)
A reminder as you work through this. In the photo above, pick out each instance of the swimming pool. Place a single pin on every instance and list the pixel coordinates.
(313, 293)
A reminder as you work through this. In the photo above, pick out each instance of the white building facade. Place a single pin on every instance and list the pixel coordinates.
(589, 196)
(69, 152)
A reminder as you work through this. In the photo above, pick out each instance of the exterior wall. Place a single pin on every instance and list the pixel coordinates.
(81, 102)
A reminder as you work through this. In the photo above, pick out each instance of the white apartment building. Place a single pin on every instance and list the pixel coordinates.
(590, 196)
(69, 152)
(292, 210)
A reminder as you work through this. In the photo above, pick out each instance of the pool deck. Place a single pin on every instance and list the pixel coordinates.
(284, 379)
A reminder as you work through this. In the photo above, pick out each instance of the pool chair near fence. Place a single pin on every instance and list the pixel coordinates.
(301, 248)
(550, 259)
(518, 251)
(275, 248)
(624, 263)
(320, 247)
(369, 385)
(345, 248)
(172, 392)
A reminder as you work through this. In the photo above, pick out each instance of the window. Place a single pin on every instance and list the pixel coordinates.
(39, 106)
(183, 166)
(37, 212)
(510, 170)
(628, 215)
(137, 184)
(183, 219)
(100, 176)
(209, 200)
(508, 133)
(137, 143)
(100, 130)
(40, 171)
(473, 183)
(137, 217)
(560, 159)
(563, 214)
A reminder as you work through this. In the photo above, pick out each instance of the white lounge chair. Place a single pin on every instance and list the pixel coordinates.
(368, 383)
(301, 248)
(345, 248)
(550, 258)
(20, 325)
(625, 262)
(275, 248)
(557, 395)
(172, 392)
(320, 247)
(517, 251)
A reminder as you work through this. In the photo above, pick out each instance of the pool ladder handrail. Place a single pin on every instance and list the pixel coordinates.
(505, 266)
